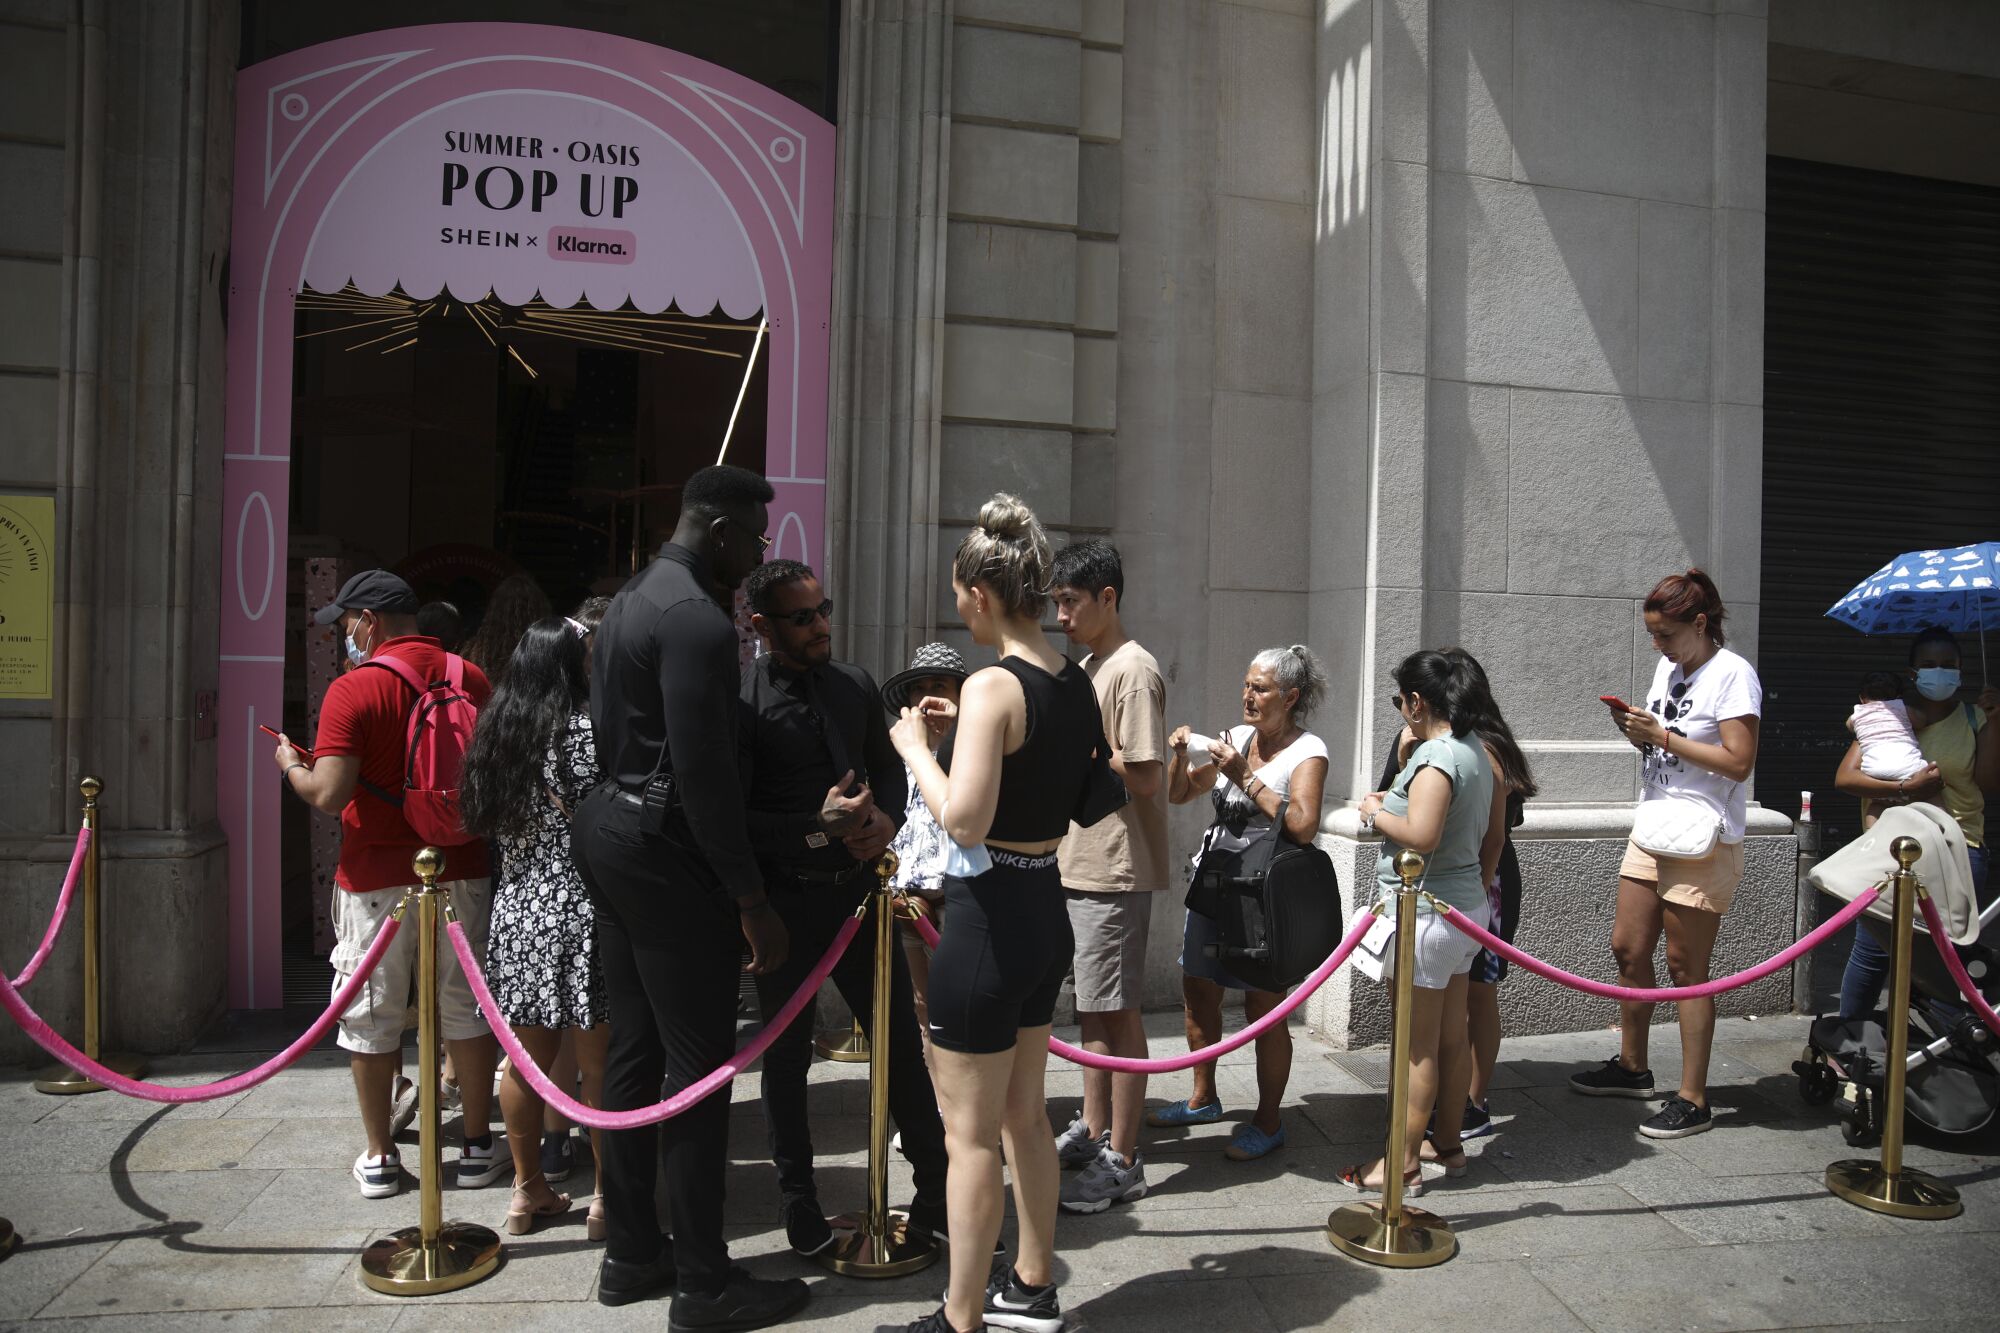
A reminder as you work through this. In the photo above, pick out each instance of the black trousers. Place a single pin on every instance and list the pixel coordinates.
(671, 950)
(813, 914)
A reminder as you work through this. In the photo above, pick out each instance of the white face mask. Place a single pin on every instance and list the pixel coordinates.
(355, 655)
(1938, 683)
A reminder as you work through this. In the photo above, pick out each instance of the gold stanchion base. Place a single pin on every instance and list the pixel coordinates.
(401, 1265)
(854, 1253)
(842, 1045)
(62, 1081)
(1909, 1193)
(1359, 1231)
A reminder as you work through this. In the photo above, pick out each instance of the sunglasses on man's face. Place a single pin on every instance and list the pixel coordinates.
(763, 542)
(805, 615)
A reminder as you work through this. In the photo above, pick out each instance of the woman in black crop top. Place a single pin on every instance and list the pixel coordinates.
(1003, 787)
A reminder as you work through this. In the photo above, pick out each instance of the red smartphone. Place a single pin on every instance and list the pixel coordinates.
(276, 736)
(1614, 703)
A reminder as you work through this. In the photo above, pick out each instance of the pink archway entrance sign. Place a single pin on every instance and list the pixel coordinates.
(463, 159)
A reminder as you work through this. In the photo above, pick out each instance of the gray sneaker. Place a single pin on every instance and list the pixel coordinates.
(1075, 1147)
(1106, 1181)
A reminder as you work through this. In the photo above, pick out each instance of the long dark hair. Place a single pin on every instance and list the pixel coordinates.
(500, 788)
(1492, 727)
(1444, 684)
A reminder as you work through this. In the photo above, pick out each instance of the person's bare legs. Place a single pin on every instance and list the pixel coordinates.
(1690, 944)
(475, 1058)
(562, 1073)
(1031, 1161)
(1201, 1006)
(374, 1086)
(1114, 1102)
(1482, 1023)
(521, 1111)
(1274, 1060)
(1455, 1064)
(972, 1095)
(1634, 934)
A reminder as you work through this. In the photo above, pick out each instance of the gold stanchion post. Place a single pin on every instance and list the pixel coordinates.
(882, 1245)
(847, 1048)
(1888, 1186)
(1391, 1233)
(434, 1255)
(62, 1080)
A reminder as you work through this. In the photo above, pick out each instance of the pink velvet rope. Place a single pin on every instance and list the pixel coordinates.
(1127, 1065)
(1634, 994)
(1954, 965)
(62, 910)
(687, 1097)
(45, 1037)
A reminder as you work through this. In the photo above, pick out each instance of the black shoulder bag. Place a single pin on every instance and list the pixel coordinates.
(1276, 905)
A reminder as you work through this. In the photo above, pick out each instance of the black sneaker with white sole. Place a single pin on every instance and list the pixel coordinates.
(934, 1322)
(806, 1228)
(1613, 1079)
(1677, 1120)
(1012, 1304)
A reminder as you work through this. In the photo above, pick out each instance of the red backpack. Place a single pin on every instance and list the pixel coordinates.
(437, 735)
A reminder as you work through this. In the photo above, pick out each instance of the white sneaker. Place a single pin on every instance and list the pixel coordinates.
(402, 1106)
(379, 1177)
(479, 1166)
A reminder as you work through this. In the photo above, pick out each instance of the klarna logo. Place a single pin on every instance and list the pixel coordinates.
(593, 245)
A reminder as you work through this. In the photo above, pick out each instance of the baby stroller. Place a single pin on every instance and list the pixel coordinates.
(1953, 1079)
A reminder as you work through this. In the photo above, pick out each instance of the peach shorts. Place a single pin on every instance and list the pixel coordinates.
(1709, 884)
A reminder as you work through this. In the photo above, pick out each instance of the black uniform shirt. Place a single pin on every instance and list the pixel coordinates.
(788, 764)
(663, 679)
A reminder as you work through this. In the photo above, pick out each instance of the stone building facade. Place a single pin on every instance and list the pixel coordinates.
(1366, 324)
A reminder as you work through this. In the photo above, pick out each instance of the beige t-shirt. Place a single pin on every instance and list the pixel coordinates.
(1127, 850)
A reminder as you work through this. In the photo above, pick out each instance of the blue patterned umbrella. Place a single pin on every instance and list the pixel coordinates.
(1955, 589)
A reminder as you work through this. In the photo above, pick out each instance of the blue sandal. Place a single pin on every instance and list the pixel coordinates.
(1249, 1143)
(1180, 1113)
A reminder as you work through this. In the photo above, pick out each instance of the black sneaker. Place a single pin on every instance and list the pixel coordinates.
(934, 1322)
(746, 1303)
(930, 1220)
(621, 1283)
(1612, 1079)
(1012, 1304)
(806, 1227)
(1478, 1122)
(558, 1156)
(1677, 1120)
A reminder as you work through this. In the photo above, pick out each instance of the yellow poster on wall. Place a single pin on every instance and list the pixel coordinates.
(27, 595)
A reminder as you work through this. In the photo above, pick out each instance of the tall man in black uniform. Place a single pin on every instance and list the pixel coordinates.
(825, 791)
(663, 850)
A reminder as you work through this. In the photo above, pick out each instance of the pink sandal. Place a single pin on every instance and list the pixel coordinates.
(521, 1215)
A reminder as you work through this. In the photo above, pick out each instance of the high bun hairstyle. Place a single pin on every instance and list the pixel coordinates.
(1009, 553)
(1682, 597)
(1296, 668)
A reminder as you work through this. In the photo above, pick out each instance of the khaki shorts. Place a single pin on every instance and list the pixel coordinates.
(1709, 884)
(373, 1024)
(1109, 967)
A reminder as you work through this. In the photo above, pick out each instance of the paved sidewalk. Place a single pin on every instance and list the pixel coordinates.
(136, 1216)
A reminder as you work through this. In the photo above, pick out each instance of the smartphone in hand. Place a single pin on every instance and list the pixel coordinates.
(1615, 704)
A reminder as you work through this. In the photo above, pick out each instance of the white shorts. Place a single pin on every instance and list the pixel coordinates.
(373, 1024)
(1442, 950)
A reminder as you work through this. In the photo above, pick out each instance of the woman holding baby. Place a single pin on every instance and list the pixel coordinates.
(1959, 751)
(1266, 765)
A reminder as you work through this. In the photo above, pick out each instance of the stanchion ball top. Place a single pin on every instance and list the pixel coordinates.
(428, 863)
(1906, 850)
(90, 787)
(885, 866)
(1410, 865)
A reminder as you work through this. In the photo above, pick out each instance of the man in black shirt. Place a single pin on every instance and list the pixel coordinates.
(826, 793)
(665, 855)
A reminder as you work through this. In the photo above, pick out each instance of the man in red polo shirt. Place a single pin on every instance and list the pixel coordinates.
(357, 764)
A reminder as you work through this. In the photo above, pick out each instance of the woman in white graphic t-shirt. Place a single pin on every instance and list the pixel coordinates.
(1697, 741)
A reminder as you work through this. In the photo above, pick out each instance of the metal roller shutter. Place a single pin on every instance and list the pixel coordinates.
(1881, 435)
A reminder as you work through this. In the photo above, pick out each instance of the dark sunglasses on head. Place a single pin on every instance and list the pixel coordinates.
(1396, 702)
(805, 615)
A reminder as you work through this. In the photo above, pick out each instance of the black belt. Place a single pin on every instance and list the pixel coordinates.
(814, 875)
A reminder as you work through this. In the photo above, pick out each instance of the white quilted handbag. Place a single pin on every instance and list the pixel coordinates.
(1677, 829)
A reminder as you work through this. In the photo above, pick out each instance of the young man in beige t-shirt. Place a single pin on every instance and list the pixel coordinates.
(1110, 873)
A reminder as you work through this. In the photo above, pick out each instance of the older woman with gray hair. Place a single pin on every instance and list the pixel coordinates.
(1267, 763)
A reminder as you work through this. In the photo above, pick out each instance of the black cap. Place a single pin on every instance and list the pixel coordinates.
(370, 590)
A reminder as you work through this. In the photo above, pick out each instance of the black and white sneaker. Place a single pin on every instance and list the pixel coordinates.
(806, 1227)
(480, 1164)
(1613, 1079)
(378, 1177)
(1678, 1119)
(934, 1322)
(1012, 1304)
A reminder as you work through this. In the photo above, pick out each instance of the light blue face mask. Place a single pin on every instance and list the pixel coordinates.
(355, 657)
(1938, 683)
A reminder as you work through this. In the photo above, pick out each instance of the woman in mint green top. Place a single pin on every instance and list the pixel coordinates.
(1441, 805)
